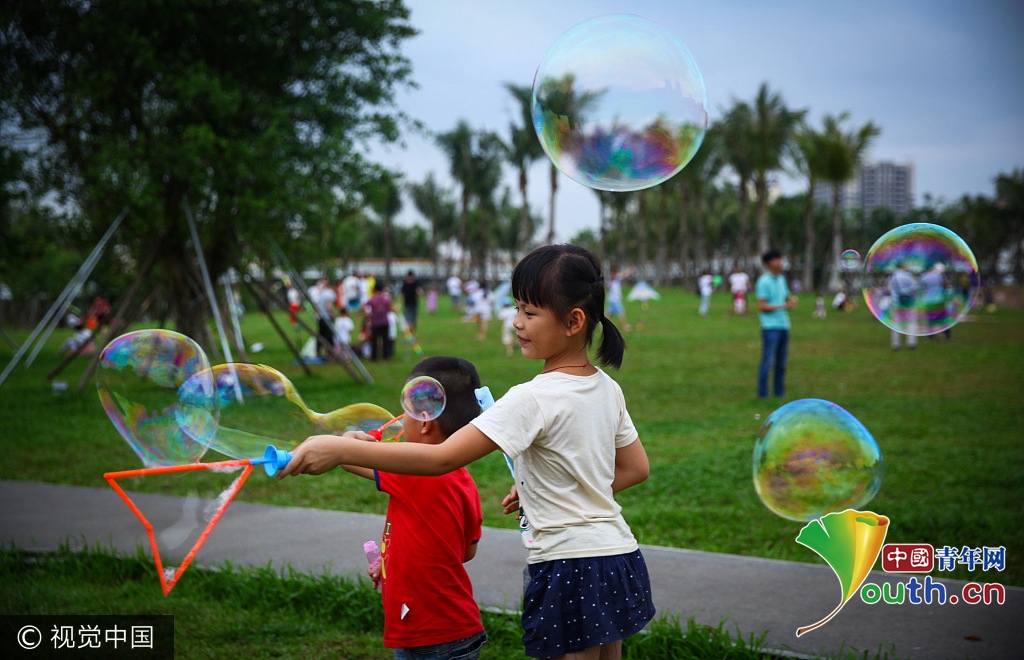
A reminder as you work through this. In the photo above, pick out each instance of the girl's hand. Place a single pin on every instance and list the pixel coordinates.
(316, 455)
(511, 501)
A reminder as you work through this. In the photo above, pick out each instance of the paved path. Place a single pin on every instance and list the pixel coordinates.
(755, 595)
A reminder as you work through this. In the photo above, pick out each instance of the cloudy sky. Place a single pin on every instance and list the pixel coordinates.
(944, 79)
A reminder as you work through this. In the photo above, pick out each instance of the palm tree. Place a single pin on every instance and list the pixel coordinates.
(809, 156)
(563, 101)
(773, 127)
(434, 204)
(457, 145)
(737, 133)
(487, 157)
(386, 201)
(523, 149)
(694, 178)
(1010, 202)
(844, 154)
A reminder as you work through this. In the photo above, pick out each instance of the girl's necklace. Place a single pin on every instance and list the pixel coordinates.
(565, 366)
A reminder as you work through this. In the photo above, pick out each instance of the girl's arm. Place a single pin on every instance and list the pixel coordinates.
(320, 453)
(631, 466)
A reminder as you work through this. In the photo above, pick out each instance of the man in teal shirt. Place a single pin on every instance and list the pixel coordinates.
(773, 302)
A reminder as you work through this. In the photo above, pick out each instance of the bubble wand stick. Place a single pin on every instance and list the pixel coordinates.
(486, 400)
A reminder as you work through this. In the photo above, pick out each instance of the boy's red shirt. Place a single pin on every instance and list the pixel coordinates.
(431, 522)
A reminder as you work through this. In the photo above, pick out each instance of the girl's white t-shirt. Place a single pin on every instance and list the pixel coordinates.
(562, 432)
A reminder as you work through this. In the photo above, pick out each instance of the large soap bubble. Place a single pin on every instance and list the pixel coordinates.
(920, 279)
(619, 103)
(258, 406)
(812, 457)
(138, 377)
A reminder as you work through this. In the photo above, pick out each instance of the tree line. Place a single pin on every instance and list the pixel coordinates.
(254, 120)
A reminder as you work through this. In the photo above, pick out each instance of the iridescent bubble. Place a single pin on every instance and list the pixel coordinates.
(258, 406)
(811, 458)
(849, 260)
(920, 279)
(423, 398)
(619, 103)
(138, 377)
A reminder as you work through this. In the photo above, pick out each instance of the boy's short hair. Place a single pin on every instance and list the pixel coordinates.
(769, 255)
(460, 381)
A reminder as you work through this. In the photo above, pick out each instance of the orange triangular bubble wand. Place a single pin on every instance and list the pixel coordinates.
(273, 460)
(850, 542)
(167, 582)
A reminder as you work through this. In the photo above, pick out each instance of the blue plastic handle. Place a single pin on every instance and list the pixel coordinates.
(274, 460)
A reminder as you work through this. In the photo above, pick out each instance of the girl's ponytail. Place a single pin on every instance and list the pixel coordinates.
(613, 346)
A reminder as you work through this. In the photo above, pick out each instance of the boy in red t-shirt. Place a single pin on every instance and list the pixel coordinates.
(432, 528)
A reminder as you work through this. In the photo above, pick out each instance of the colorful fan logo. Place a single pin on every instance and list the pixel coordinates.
(850, 542)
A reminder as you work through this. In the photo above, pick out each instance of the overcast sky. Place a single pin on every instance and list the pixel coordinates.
(943, 79)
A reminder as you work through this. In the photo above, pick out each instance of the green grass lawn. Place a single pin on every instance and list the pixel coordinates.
(949, 418)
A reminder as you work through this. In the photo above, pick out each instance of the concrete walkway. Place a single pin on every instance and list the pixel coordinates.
(755, 595)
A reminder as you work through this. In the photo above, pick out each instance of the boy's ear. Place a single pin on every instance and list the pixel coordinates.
(429, 427)
(575, 321)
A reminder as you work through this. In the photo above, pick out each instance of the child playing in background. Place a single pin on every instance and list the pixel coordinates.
(343, 327)
(574, 447)
(433, 526)
(507, 316)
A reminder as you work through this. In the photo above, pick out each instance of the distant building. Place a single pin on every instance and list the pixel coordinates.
(877, 185)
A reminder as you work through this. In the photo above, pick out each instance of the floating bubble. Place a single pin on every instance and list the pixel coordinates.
(423, 398)
(619, 103)
(920, 279)
(258, 406)
(811, 458)
(138, 377)
(849, 260)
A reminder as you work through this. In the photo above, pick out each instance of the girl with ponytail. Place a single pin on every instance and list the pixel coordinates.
(574, 446)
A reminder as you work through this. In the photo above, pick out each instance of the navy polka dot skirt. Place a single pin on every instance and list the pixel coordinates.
(575, 604)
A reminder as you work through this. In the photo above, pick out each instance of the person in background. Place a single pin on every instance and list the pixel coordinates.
(705, 285)
(739, 284)
(376, 310)
(615, 306)
(903, 306)
(411, 292)
(323, 297)
(343, 328)
(507, 316)
(773, 302)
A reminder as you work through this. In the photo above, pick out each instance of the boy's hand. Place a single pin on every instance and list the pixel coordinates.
(316, 455)
(373, 570)
(359, 435)
(511, 501)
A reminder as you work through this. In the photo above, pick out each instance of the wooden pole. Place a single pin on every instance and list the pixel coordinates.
(261, 301)
(121, 320)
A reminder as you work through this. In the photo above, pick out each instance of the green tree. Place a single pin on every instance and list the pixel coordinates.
(435, 204)
(252, 113)
(523, 149)
(698, 174)
(488, 155)
(844, 152)
(809, 157)
(564, 101)
(385, 198)
(773, 126)
(737, 137)
(457, 145)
